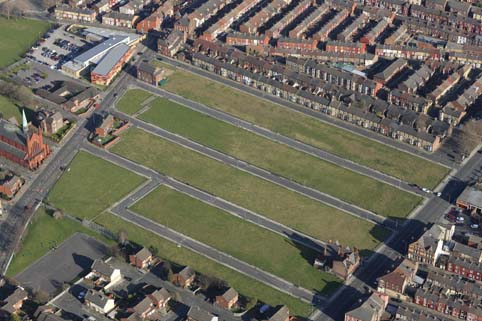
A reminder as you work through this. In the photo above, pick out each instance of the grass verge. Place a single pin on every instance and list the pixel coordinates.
(131, 101)
(273, 201)
(91, 185)
(17, 36)
(278, 158)
(169, 251)
(229, 234)
(287, 122)
(42, 235)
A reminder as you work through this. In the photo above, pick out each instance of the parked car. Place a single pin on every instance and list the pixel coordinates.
(474, 226)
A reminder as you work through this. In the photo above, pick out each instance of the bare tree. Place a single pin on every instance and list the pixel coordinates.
(122, 236)
(41, 296)
(469, 137)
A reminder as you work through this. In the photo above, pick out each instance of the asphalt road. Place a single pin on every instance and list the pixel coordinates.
(215, 255)
(157, 179)
(389, 253)
(13, 227)
(19, 216)
(290, 142)
(271, 177)
(436, 157)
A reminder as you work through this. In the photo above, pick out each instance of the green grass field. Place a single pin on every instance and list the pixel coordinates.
(9, 109)
(17, 36)
(131, 102)
(239, 238)
(278, 158)
(91, 186)
(42, 234)
(306, 129)
(273, 201)
(180, 255)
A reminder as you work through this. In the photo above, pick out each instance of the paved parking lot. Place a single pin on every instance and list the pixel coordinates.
(58, 47)
(71, 259)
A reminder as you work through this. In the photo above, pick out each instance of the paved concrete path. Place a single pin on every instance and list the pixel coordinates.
(434, 157)
(290, 142)
(262, 173)
(121, 209)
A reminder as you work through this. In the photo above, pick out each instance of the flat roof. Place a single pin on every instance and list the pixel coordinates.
(110, 59)
(471, 196)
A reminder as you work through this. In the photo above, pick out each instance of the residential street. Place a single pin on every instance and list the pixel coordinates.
(388, 253)
(436, 157)
(121, 209)
(276, 179)
(290, 142)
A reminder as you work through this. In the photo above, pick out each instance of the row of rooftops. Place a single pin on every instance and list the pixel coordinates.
(452, 283)
(437, 128)
(262, 16)
(309, 21)
(301, 7)
(436, 296)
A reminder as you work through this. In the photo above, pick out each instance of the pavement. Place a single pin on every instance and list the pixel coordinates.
(262, 173)
(121, 209)
(63, 264)
(436, 157)
(391, 252)
(278, 138)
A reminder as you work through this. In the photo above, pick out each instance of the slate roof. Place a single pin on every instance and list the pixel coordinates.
(102, 268)
(96, 298)
(161, 295)
(18, 295)
(282, 314)
(198, 314)
(143, 254)
(230, 294)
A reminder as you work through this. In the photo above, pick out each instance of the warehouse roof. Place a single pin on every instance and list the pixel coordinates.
(110, 59)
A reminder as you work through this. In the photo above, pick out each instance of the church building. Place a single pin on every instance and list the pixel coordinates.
(24, 146)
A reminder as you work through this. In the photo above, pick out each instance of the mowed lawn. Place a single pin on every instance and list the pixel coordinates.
(310, 171)
(287, 122)
(17, 36)
(273, 201)
(244, 240)
(131, 101)
(42, 235)
(182, 256)
(91, 186)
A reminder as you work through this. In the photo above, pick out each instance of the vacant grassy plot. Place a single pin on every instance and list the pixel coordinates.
(44, 233)
(9, 109)
(278, 158)
(306, 129)
(287, 207)
(131, 102)
(17, 36)
(246, 241)
(91, 186)
(169, 251)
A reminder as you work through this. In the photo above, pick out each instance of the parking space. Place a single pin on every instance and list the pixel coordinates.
(57, 47)
(465, 223)
(39, 76)
(63, 264)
